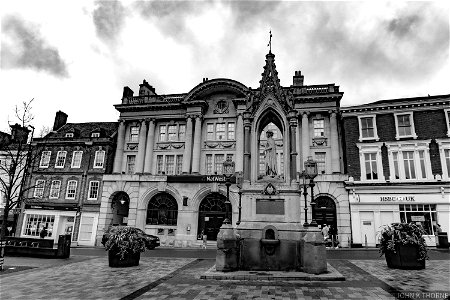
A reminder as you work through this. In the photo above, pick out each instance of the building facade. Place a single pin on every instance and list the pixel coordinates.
(168, 167)
(67, 180)
(398, 160)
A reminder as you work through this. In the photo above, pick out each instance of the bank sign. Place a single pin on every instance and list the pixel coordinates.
(397, 198)
(200, 178)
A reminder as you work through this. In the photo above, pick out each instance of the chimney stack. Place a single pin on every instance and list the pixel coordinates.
(146, 89)
(298, 79)
(19, 134)
(60, 120)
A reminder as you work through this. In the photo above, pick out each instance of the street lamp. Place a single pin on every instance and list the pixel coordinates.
(239, 182)
(302, 175)
(311, 172)
(228, 171)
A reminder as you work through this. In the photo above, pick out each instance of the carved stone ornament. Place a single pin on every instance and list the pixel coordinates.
(132, 146)
(320, 141)
(170, 145)
(270, 190)
(221, 107)
(220, 144)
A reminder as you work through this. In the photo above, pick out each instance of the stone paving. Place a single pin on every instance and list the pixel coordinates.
(179, 278)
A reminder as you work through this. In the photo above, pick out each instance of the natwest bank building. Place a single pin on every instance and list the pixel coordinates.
(398, 160)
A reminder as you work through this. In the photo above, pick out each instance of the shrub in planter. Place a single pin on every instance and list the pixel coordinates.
(124, 245)
(403, 246)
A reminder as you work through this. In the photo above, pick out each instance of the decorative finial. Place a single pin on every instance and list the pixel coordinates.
(270, 41)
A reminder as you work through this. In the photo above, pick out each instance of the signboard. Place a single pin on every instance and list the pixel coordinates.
(200, 178)
(417, 218)
(397, 198)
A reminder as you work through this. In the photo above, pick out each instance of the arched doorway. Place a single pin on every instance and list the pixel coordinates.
(212, 212)
(324, 212)
(120, 206)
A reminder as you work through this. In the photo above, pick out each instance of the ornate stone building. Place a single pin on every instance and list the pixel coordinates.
(167, 176)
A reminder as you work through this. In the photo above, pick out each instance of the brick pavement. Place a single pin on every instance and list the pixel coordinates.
(179, 278)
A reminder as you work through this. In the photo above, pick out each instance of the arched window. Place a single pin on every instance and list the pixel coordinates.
(162, 210)
(214, 202)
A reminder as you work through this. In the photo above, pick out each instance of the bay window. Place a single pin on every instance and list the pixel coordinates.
(409, 161)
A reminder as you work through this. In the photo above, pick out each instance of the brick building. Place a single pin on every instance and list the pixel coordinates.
(67, 180)
(397, 155)
(167, 177)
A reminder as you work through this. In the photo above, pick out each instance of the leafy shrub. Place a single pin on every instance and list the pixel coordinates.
(403, 234)
(125, 239)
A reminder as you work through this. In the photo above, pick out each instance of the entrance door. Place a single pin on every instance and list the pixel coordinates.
(325, 212)
(367, 229)
(212, 212)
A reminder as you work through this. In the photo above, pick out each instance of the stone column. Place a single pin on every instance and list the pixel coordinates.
(141, 147)
(187, 146)
(299, 146)
(120, 145)
(305, 136)
(240, 144)
(335, 157)
(293, 144)
(149, 147)
(247, 148)
(197, 145)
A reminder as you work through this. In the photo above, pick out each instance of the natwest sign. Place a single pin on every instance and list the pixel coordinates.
(397, 198)
(200, 178)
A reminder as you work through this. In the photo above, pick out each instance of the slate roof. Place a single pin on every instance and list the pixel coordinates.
(84, 130)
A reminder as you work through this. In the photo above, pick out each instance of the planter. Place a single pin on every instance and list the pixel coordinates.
(129, 260)
(405, 257)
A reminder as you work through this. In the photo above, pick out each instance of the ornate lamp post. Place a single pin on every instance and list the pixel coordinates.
(302, 175)
(239, 181)
(311, 172)
(228, 171)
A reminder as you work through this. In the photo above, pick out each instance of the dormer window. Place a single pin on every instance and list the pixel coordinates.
(404, 125)
(367, 128)
(95, 134)
(69, 135)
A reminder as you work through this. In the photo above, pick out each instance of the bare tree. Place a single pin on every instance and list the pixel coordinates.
(15, 158)
(44, 131)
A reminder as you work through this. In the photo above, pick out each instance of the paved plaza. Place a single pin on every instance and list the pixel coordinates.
(89, 277)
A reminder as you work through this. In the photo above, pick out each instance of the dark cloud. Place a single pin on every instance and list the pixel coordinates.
(23, 47)
(109, 19)
(403, 25)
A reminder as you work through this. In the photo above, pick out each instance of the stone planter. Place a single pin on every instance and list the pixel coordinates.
(129, 260)
(405, 257)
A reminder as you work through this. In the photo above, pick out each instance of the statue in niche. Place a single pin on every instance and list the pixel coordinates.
(270, 155)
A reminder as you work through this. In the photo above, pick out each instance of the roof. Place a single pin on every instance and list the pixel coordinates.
(84, 130)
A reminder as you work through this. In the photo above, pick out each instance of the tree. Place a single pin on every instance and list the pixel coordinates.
(15, 158)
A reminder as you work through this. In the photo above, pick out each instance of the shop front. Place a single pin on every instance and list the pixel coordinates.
(374, 207)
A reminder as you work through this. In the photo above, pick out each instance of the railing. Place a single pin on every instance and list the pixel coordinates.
(151, 99)
(316, 89)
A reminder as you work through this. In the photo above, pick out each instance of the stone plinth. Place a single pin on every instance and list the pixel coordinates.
(313, 252)
(227, 255)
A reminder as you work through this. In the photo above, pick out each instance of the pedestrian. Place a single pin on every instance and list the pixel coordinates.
(333, 234)
(325, 231)
(437, 230)
(205, 239)
(43, 232)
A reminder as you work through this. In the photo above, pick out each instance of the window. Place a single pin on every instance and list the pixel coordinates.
(218, 163)
(60, 159)
(424, 214)
(71, 189)
(76, 159)
(69, 135)
(320, 159)
(409, 160)
(162, 133)
(179, 167)
(170, 164)
(93, 190)
(209, 166)
(230, 132)
(370, 161)
(39, 188)
(159, 164)
(447, 160)
(131, 160)
(134, 134)
(367, 128)
(54, 189)
(181, 132)
(220, 131)
(36, 223)
(210, 132)
(371, 166)
(45, 159)
(99, 159)
(319, 130)
(162, 210)
(95, 134)
(172, 132)
(447, 118)
(405, 126)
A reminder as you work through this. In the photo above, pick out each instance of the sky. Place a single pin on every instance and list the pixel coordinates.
(76, 56)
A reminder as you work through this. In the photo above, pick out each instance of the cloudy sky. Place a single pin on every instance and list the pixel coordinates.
(76, 56)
